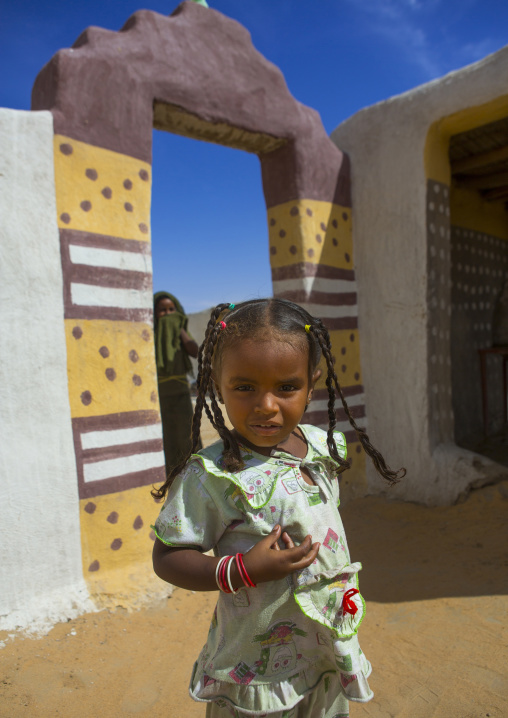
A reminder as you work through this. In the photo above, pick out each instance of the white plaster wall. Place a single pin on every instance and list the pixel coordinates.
(386, 145)
(40, 553)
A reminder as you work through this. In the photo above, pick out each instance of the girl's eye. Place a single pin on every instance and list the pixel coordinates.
(244, 387)
(288, 387)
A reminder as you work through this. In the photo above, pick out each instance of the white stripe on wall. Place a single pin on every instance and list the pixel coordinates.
(322, 404)
(97, 257)
(345, 426)
(331, 311)
(111, 468)
(316, 284)
(90, 295)
(115, 437)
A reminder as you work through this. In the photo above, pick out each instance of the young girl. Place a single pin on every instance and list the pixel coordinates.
(282, 642)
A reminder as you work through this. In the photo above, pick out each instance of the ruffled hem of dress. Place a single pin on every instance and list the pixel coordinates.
(268, 698)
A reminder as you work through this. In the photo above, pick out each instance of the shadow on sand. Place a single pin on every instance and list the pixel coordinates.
(413, 553)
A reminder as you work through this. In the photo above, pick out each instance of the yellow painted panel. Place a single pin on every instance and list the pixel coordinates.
(310, 231)
(437, 165)
(346, 349)
(470, 211)
(116, 539)
(101, 191)
(111, 367)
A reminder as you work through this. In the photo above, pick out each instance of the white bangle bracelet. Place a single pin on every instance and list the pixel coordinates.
(229, 576)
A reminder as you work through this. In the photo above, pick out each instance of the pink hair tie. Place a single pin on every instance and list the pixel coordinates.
(222, 325)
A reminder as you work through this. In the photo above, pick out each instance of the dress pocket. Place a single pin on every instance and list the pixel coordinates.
(332, 599)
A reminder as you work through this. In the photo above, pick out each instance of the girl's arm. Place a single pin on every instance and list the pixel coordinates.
(189, 344)
(190, 569)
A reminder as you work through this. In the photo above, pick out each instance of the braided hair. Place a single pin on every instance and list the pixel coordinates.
(288, 322)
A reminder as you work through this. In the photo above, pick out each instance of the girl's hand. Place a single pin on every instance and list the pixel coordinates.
(266, 562)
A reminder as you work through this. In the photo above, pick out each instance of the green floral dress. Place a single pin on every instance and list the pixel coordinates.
(269, 648)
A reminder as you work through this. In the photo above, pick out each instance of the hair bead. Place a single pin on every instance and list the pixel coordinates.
(307, 328)
(222, 325)
(231, 306)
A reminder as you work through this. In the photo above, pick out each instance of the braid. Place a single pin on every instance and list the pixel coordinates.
(231, 455)
(321, 333)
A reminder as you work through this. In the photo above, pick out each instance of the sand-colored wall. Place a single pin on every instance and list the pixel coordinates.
(401, 234)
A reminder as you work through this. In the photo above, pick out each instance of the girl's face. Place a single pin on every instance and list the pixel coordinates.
(163, 307)
(265, 387)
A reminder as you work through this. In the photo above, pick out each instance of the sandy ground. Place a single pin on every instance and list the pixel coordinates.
(436, 583)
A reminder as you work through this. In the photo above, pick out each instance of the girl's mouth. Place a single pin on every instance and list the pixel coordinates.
(265, 429)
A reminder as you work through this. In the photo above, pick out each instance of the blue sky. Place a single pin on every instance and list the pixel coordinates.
(209, 231)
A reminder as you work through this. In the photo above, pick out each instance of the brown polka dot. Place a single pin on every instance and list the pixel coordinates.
(86, 398)
(145, 334)
(133, 355)
(351, 337)
(77, 332)
(358, 449)
(334, 223)
(318, 238)
(282, 233)
(110, 374)
(144, 175)
(153, 397)
(143, 228)
(127, 184)
(323, 226)
(272, 222)
(343, 350)
(293, 249)
(344, 216)
(90, 507)
(273, 250)
(335, 241)
(308, 212)
(343, 367)
(136, 380)
(116, 544)
(113, 517)
(347, 257)
(94, 566)
(91, 174)
(66, 218)
(128, 207)
(294, 211)
(310, 252)
(152, 535)
(86, 205)
(107, 192)
(66, 149)
(357, 376)
(104, 352)
(138, 523)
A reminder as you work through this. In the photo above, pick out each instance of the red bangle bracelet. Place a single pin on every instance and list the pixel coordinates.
(241, 568)
(243, 571)
(222, 575)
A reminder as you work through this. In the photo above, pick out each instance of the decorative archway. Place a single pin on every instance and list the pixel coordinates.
(194, 73)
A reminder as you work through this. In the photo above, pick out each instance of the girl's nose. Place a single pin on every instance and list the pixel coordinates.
(267, 403)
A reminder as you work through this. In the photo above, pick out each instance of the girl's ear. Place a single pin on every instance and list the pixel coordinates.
(315, 377)
(217, 391)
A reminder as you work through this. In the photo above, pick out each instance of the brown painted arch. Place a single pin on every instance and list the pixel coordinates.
(194, 73)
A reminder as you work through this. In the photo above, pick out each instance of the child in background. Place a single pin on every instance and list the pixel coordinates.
(282, 642)
(173, 346)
